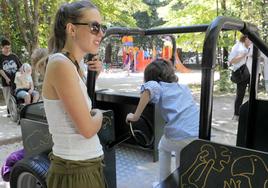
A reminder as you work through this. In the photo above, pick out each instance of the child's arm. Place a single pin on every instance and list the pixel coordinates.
(144, 100)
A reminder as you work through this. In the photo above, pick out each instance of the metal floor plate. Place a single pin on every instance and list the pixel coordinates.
(135, 167)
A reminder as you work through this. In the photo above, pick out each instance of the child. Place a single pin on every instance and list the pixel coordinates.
(24, 85)
(177, 108)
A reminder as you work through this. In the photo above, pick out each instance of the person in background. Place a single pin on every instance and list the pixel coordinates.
(265, 72)
(9, 65)
(240, 55)
(25, 86)
(77, 155)
(177, 108)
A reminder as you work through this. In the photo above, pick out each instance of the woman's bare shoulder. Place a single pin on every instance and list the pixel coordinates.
(59, 64)
(59, 71)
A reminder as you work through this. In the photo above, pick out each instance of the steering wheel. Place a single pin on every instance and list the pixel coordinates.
(143, 135)
(140, 137)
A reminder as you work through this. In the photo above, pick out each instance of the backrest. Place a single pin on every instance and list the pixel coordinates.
(259, 116)
(209, 165)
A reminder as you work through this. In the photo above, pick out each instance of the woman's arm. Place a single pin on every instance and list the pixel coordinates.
(144, 100)
(238, 58)
(63, 78)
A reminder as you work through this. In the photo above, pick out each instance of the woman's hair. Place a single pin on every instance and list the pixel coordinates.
(243, 38)
(39, 59)
(160, 70)
(68, 12)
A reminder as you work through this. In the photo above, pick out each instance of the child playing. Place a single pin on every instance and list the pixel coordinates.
(177, 108)
(24, 85)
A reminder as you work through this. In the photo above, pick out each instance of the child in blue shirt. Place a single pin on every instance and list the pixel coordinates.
(177, 108)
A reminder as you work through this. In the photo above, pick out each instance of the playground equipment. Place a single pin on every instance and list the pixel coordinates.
(203, 163)
(139, 58)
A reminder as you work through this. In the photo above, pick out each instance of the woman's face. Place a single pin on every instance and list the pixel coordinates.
(88, 38)
(247, 42)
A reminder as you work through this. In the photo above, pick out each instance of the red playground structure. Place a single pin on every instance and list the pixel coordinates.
(137, 59)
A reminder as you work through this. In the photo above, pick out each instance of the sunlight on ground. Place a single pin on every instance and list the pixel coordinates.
(193, 77)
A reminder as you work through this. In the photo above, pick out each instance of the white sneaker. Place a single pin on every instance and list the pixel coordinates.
(155, 184)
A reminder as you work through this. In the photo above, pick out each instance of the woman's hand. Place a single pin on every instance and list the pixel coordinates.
(96, 112)
(132, 118)
(95, 64)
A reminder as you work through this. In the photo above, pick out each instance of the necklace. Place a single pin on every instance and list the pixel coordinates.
(74, 61)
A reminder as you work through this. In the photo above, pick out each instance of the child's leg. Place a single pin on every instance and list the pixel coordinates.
(180, 145)
(164, 159)
(164, 164)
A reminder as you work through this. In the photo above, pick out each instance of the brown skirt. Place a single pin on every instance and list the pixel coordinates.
(64, 173)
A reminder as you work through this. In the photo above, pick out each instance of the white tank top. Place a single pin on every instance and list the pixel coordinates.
(68, 143)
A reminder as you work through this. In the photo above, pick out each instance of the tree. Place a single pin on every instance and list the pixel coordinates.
(29, 22)
(120, 12)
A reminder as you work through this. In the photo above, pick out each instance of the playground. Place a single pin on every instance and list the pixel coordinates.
(146, 133)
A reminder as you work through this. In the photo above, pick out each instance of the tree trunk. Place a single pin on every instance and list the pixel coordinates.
(29, 27)
(6, 30)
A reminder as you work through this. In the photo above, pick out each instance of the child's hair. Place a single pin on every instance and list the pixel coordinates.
(5, 42)
(26, 68)
(67, 13)
(160, 70)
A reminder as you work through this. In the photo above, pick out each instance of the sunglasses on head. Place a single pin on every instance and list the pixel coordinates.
(95, 27)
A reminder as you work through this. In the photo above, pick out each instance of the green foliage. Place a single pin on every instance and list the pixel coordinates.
(224, 84)
(186, 13)
(119, 12)
(141, 13)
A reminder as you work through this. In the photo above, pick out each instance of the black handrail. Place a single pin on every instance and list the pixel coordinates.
(121, 31)
(208, 63)
(179, 29)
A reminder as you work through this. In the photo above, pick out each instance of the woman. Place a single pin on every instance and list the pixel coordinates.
(76, 158)
(239, 56)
